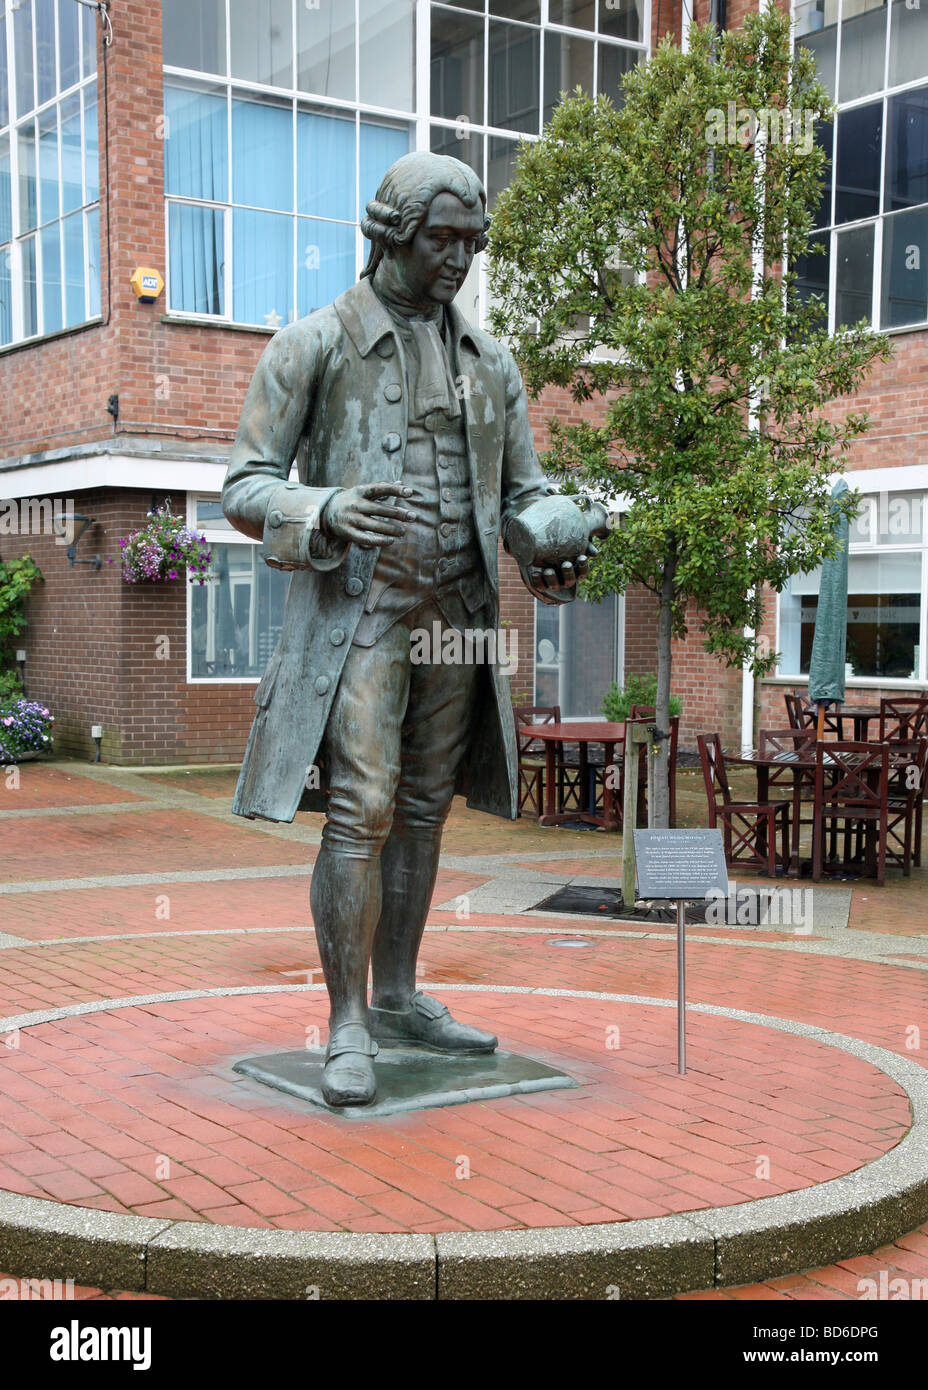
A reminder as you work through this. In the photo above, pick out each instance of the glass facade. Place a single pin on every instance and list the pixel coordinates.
(873, 218)
(281, 116)
(235, 618)
(887, 592)
(49, 168)
(577, 655)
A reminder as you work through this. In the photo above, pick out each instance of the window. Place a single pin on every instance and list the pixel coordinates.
(235, 619)
(874, 211)
(887, 584)
(578, 654)
(269, 156)
(282, 117)
(49, 176)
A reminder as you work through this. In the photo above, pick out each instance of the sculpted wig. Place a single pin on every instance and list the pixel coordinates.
(407, 190)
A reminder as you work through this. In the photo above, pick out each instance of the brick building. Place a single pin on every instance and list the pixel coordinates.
(231, 145)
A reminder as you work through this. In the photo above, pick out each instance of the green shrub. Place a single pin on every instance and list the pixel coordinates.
(638, 690)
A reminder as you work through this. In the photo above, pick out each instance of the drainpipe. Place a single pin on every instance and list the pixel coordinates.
(747, 705)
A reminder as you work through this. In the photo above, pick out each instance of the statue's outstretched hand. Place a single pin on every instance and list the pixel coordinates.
(557, 583)
(365, 516)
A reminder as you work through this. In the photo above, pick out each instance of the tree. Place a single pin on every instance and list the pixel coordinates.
(17, 577)
(638, 258)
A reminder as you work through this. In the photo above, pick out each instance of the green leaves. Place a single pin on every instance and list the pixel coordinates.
(709, 372)
(17, 577)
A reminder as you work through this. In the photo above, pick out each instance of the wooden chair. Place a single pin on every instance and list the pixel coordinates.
(851, 788)
(647, 714)
(802, 713)
(597, 772)
(531, 768)
(749, 828)
(903, 718)
(787, 745)
(906, 792)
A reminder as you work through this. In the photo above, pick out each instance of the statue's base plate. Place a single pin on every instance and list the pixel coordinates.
(410, 1078)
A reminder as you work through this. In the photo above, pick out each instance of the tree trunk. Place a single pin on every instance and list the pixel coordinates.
(660, 816)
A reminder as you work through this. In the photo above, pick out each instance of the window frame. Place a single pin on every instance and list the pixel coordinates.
(884, 95)
(420, 121)
(15, 248)
(215, 535)
(879, 548)
(564, 612)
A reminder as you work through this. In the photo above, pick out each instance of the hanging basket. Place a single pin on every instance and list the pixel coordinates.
(162, 549)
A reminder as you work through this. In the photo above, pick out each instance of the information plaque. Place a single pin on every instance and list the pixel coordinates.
(680, 864)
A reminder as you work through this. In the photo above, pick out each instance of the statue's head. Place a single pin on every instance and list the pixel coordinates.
(429, 220)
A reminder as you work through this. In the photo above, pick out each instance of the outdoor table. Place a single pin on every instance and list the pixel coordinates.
(861, 715)
(763, 767)
(583, 733)
(798, 765)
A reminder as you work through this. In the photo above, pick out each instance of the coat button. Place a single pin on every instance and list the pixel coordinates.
(392, 442)
(354, 586)
(393, 392)
(321, 684)
(275, 518)
(446, 494)
(385, 347)
(446, 528)
(337, 636)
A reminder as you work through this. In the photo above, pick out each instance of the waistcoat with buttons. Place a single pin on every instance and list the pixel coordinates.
(437, 557)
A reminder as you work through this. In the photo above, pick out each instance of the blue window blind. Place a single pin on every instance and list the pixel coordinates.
(262, 155)
(196, 156)
(262, 267)
(196, 243)
(381, 145)
(325, 166)
(325, 262)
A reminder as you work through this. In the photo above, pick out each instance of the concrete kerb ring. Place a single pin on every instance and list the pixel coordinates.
(651, 1258)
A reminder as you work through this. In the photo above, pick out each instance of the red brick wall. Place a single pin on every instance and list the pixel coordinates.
(94, 645)
(91, 638)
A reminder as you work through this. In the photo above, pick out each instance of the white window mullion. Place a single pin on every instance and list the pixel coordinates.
(922, 670)
(87, 258)
(294, 312)
(39, 286)
(876, 287)
(227, 280)
(227, 211)
(832, 280)
(423, 42)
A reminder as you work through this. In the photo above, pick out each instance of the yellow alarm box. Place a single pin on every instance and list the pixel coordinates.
(147, 284)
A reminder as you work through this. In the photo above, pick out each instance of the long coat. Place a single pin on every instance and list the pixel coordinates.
(330, 391)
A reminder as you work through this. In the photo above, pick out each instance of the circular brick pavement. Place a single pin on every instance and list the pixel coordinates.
(137, 1110)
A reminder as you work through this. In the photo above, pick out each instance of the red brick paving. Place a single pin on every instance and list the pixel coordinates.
(44, 786)
(161, 1074)
(145, 842)
(91, 1102)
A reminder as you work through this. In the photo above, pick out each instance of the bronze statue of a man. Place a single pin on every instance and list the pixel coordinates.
(414, 453)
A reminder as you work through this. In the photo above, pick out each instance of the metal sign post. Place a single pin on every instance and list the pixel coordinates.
(678, 865)
(681, 987)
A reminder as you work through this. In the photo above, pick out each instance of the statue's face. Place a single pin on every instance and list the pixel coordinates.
(436, 261)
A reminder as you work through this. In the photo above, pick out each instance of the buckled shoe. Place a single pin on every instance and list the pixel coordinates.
(348, 1076)
(428, 1021)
